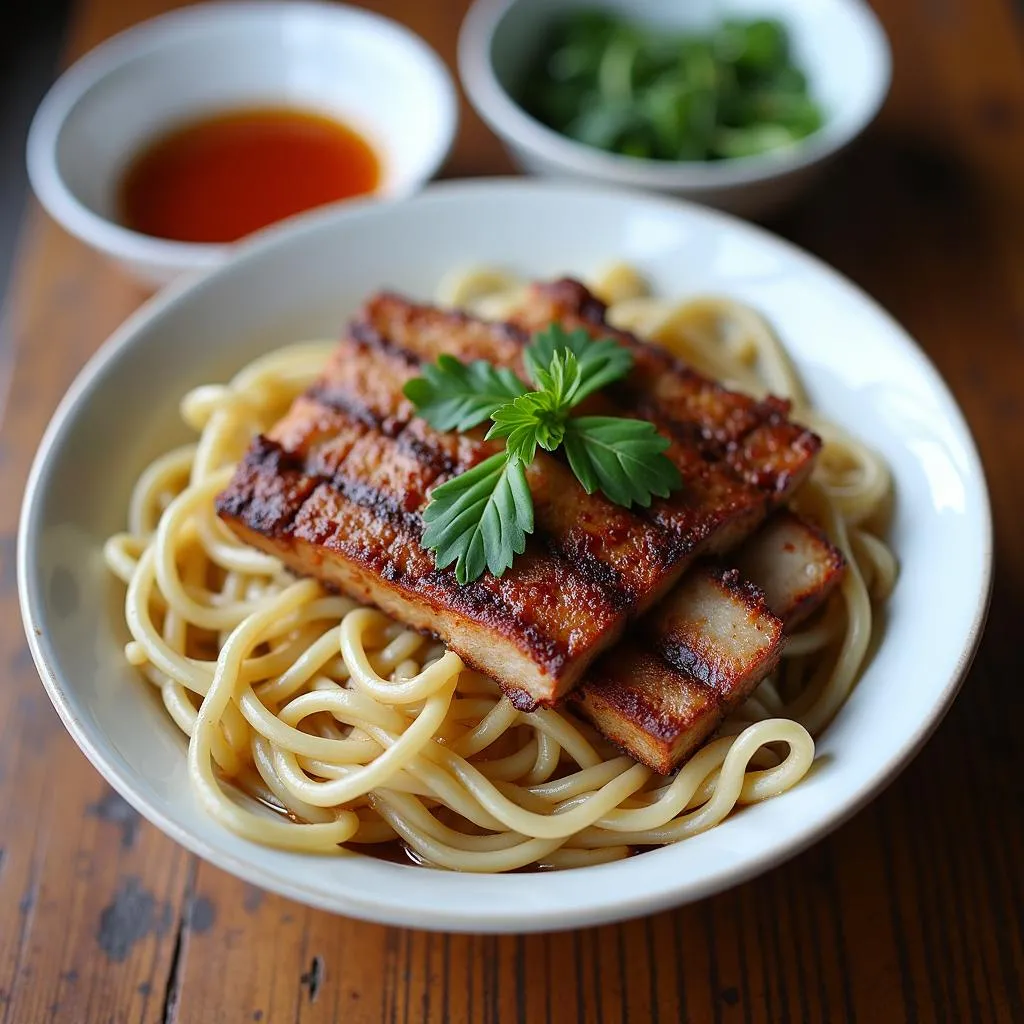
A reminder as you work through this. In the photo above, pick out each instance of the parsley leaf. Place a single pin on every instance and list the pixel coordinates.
(480, 518)
(623, 458)
(456, 396)
(600, 361)
(524, 425)
(559, 382)
(538, 418)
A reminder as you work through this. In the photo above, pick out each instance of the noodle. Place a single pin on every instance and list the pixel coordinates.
(314, 722)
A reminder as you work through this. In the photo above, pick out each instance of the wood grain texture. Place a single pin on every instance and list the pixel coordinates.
(912, 911)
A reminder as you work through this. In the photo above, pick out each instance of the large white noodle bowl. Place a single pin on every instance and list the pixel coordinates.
(300, 281)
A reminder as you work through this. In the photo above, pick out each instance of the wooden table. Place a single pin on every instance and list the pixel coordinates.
(912, 911)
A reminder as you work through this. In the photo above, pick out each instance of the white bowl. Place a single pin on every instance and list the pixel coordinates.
(838, 43)
(364, 69)
(303, 280)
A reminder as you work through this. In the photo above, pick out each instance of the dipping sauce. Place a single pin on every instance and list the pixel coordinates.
(222, 177)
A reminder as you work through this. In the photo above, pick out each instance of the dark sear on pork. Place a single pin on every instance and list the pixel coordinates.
(337, 488)
(703, 650)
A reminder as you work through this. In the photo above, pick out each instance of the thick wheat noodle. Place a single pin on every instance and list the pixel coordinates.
(314, 722)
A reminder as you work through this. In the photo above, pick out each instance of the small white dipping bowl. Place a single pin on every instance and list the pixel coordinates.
(839, 44)
(363, 69)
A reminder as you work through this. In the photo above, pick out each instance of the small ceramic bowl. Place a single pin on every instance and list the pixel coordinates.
(364, 69)
(839, 44)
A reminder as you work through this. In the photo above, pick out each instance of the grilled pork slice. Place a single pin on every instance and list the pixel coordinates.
(637, 554)
(752, 440)
(794, 563)
(338, 487)
(736, 456)
(346, 508)
(755, 437)
(703, 650)
(709, 644)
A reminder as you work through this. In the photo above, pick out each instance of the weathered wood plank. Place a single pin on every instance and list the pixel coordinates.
(911, 911)
(89, 900)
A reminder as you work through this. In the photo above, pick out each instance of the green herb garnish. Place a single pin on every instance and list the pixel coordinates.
(655, 93)
(480, 519)
(601, 362)
(620, 457)
(457, 396)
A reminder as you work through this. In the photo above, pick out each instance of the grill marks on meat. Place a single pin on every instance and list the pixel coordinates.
(337, 489)
(754, 438)
(627, 554)
(715, 508)
(698, 657)
(706, 647)
(348, 510)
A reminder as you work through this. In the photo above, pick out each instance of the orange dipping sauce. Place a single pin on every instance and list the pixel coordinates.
(220, 178)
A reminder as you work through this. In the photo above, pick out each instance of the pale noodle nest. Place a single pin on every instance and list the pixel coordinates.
(314, 722)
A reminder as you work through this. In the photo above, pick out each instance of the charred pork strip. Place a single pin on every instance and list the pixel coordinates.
(754, 437)
(359, 529)
(794, 563)
(632, 555)
(337, 489)
(703, 650)
(708, 644)
(713, 511)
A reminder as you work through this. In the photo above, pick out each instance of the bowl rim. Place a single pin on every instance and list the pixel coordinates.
(607, 908)
(508, 120)
(154, 34)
